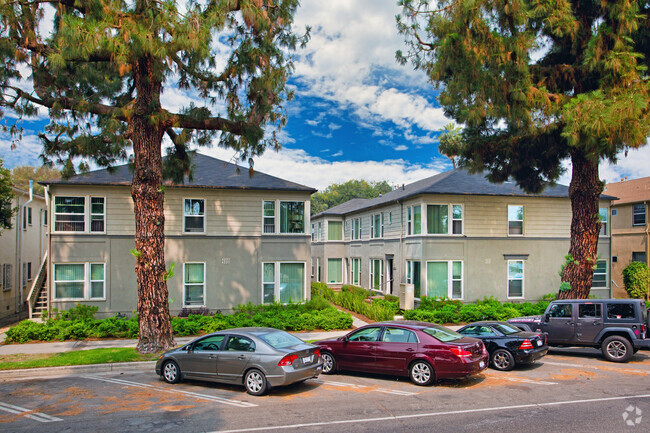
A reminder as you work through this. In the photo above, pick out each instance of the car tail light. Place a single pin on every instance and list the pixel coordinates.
(642, 329)
(317, 352)
(287, 360)
(460, 352)
(526, 345)
(485, 352)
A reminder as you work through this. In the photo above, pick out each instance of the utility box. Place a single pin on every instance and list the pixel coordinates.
(406, 296)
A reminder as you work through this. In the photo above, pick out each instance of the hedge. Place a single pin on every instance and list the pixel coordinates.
(357, 299)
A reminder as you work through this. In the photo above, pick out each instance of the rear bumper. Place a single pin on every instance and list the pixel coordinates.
(466, 369)
(641, 344)
(289, 375)
(528, 356)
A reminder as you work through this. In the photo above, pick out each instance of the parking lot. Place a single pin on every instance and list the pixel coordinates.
(575, 386)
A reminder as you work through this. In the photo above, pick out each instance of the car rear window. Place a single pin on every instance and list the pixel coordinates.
(506, 329)
(443, 334)
(278, 340)
(620, 311)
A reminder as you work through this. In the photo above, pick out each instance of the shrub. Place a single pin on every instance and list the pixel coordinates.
(636, 277)
(202, 311)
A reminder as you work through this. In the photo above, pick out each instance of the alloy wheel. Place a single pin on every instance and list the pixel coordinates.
(421, 373)
(616, 349)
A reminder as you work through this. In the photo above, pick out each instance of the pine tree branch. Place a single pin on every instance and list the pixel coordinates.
(205, 76)
(204, 124)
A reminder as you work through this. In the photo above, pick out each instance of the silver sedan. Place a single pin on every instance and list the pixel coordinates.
(258, 358)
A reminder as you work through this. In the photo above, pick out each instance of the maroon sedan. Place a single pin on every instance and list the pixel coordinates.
(423, 351)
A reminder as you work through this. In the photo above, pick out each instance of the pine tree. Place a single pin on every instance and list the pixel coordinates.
(536, 82)
(100, 67)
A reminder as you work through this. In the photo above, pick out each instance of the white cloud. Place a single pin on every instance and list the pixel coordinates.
(337, 154)
(401, 147)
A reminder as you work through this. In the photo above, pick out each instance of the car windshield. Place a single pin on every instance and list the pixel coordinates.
(280, 339)
(506, 329)
(443, 334)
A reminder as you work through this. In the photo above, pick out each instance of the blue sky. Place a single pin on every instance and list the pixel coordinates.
(357, 114)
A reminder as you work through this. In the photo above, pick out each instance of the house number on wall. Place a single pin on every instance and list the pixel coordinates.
(225, 261)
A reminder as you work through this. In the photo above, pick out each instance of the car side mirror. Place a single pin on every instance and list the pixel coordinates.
(344, 339)
(547, 316)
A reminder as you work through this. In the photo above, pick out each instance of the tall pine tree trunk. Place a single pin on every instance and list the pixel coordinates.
(146, 135)
(584, 191)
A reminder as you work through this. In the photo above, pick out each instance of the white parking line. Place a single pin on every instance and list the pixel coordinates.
(207, 397)
(597, 367)
(355, 386)
(36, 416)
(431, 414)
(531, 381)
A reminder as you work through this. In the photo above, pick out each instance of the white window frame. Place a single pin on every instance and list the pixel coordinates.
(328, 270)
(356, 260)
(91, 281)
(91, 214)
(356, 229)
(45, 218)
(195, 284)
(327, 238)
(634, 213)
(7, 277)
(319, 231)
(373, 223)
(276, 282)
(410, 220)
(606, 276)
(86, 282)
(381, 275)
(426, 219)
(275, 217)
(523, 217)
(603, 229)
(523, 279)
(452, 219)
(450, 278)
(205, 211)
(87, 214)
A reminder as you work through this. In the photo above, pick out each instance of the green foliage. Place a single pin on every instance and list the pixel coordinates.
(6, 198)
(169, 272)
(636, 277)
(23, 174)
(358, 300)
(565, 286)
(336, 193)
(78, 357)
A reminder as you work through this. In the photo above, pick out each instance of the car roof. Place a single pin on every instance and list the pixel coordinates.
(405, 323)
(609, 301)
(251, 331)
(489, 322)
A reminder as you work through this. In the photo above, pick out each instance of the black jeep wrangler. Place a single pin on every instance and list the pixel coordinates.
(617, 327)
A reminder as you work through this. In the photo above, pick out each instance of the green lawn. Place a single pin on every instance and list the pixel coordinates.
(79, 357)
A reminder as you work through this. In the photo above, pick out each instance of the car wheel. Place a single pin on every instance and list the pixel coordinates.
(170, 372)
(329, 363)
(617, 349)
(255, 382)
(503, 360)
(421, 373)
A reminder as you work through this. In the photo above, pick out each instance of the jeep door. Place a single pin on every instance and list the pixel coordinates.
(559, 323)
(589, 322)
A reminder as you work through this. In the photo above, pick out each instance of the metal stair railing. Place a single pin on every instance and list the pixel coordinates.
(37, 285)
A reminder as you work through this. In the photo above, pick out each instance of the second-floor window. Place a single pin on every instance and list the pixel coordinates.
(194, 215)
(289, 218)
(356, 229)
(377, 225)
(600, 274)
(414, 220)
(70, 214)
(515, 220)
(334, 231)
(269, 217)
(602, 212)
(638, 215)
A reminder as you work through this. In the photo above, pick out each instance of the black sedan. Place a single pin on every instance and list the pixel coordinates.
(507, 344)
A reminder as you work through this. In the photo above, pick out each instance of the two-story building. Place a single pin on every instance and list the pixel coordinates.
(630, 227)
(453, 235)
(22, 249)
(233, 239)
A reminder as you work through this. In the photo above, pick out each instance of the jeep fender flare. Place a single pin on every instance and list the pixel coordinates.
(615, 331)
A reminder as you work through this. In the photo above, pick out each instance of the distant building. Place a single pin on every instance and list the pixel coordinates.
(630, 227)
(453, 235)
(21, 252)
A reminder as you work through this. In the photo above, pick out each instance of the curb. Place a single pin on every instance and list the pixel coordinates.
(74, 370)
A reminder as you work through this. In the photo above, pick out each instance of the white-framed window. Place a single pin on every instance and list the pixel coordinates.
(194, 215)
(334, 271)
(414, 220)
(269, 217)
(283, 282)
(194, 284)
(613, 212)
(445, 279)
(515, 220)
(72, 212)
(319, 231)
(390, 218)
(318, 273)
(377, 225)
(600, 274)
(414, 276)
(355, 271)
(437, 219)
(7, 277)
(79, 281)
(356, 229)
(377, 274)
(29, 216)
(457, 219)
(602, 212)
(515, 278)
(334, 230)
(313, 232)
(45, 217)
(638, 214)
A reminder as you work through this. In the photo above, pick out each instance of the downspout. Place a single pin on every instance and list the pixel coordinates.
(19, 228)
(22, 238)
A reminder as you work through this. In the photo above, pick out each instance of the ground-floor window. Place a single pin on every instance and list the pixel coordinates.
(376, 274)
(283, 282)
(194, 284)
(413, 276)
(600, 274)
(355, 271)
(445, 279)
(334, 271)
(515, 278)
(79, 281)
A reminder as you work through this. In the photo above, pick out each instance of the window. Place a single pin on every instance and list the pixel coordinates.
(560, 310)
(457, 219)
(334, 231)
(292, 217)
(366, 334)
(334, 271)
(319, 231)
(313, 233)
(638, 214)
(586, 311)
(269, 217)
(355, 271)
(236, 343)
(602, 212)
(284, 281)
(515, 278)
(398, 335)
(413, 276)
(79, 281)
(639, 257)
(620, 311)
(70, 214)
(29, 216)
(414, 220)
(600, 274)
(194, 216)
(45, 217)
(209, 343)
(515, 220)
(318, 274)
(614, 212)
(193, 284)
(377, 225)
(437, 219)
(7, 278)
(356, 229)
(445, 279)
(376, 274)
(29, 271)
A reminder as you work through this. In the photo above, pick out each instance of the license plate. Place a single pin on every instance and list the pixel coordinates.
(481, 364)
(306, 360)
(539, 342)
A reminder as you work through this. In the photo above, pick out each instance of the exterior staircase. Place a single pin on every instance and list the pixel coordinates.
(38, 298)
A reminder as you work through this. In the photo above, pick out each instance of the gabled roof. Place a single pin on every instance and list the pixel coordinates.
(456, 182)
(630, 191)
(208, 172)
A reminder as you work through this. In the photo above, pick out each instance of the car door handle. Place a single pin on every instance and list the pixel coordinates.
(596, 323)
(410, 350)
(241, 357)
(212, 357)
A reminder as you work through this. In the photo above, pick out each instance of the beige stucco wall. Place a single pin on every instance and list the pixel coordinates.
(626, 239)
